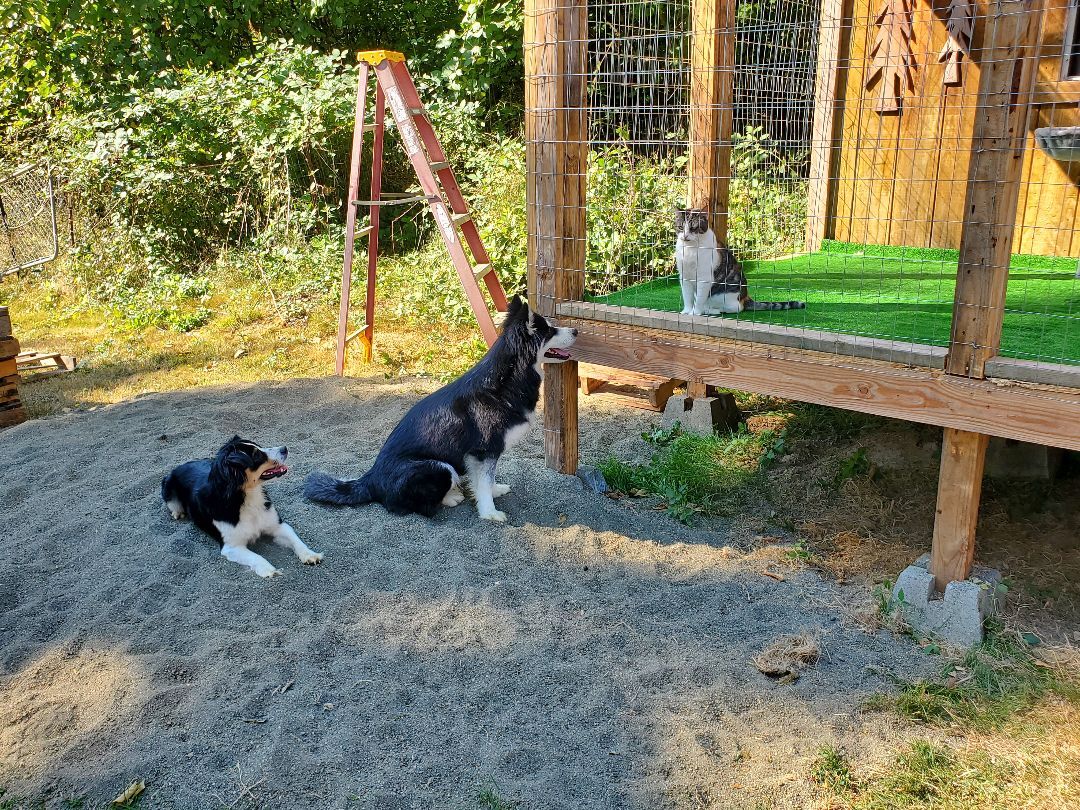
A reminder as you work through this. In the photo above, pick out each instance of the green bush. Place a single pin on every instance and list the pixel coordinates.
(630, 209)
(767, 197)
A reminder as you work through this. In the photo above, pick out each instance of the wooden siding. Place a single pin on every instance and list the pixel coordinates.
(901, 179)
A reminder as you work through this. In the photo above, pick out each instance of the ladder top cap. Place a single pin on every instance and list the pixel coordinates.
(375, 57)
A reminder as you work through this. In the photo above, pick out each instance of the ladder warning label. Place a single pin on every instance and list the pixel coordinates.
(445, 225)
(404, 121)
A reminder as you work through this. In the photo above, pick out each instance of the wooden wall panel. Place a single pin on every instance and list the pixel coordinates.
(901, 179)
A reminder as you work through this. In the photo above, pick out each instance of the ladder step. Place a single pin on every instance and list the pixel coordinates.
(394, 201)
(365, 231)
(349, 338)
(482, 270)
(438, 167)
(417, 111)
(458, 219)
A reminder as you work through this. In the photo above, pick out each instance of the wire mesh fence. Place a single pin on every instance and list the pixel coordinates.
(28, 232)
(885, 165)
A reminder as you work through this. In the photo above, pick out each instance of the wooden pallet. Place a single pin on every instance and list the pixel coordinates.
(636, 389)
(11, 407)
(35, 365)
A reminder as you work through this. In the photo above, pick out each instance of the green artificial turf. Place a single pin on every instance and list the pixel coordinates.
(898, 293)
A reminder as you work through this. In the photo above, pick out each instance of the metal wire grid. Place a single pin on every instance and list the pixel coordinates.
(28, 232)
(895, 182)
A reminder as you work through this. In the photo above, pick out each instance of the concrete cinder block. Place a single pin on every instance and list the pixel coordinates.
(1009, 458)
(702, 414)
(957, 616)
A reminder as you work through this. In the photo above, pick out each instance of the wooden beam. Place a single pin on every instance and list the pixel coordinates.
(823, 136)
(963, 456)
(712, 89)
(1019, 412)
(556, 136)
(1006, 52)
(1006, 55)
(771, 334)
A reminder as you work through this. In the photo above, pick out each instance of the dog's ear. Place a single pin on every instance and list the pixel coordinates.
(228, 470)
(515, 308)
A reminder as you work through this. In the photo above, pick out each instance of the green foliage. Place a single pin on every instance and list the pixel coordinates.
(205, 159)
(692, 473)
(853, 466)
(484, 59)
(989, 684)
(767, 196)
(631, 202)
(489, 799)
(831, 769)
(78, 53)
(496, 180)
(923, 775)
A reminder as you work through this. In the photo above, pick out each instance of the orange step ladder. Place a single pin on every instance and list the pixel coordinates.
(394, 88)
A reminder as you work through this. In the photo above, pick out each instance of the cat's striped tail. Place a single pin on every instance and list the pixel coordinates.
(750, 303)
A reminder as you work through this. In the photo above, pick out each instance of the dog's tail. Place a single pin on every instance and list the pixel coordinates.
(324, 488)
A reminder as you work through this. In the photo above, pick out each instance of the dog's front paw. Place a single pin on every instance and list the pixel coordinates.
(267, 571)
(498, 490)
(495, 514)
(453, 498)
(310, 558)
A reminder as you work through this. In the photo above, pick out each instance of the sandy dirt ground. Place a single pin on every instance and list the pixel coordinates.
(588, 654)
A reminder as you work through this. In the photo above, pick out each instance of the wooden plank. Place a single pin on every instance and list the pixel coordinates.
(997, 150)
(1012, 411)
(963, 457)
(824, 133)
(5, 323)
(9, 347)
(8, 367)
(556, 135)
(712, 88)
(770, 334)
(12, 416)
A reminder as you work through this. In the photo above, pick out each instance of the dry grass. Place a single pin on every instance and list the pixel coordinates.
(248, 340)
(788, 655)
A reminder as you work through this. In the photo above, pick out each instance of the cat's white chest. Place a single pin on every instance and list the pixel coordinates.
(696, 258)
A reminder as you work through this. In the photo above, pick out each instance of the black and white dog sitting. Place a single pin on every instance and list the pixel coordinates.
(461, 430)
(224, 497)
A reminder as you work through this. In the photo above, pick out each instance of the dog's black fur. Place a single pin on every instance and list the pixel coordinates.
(211, 490)
(471, 417)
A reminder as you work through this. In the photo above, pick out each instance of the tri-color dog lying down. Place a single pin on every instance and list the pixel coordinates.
(224, 497)
(460, 431)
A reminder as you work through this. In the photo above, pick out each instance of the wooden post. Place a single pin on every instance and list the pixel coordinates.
(1006, 59)
(712, 88)
(1007, 69)
(556, 135)
(823, 137)
(963, 455)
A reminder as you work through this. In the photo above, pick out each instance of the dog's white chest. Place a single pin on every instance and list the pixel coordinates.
(255, 518)
(518, 432)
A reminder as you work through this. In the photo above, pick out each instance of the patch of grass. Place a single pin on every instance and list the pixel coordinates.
(692, 473)
(832, 770)
(898, 294)
(984, 688)
(8, 802)
(853, 466)
(274, 337)
(489, 799)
